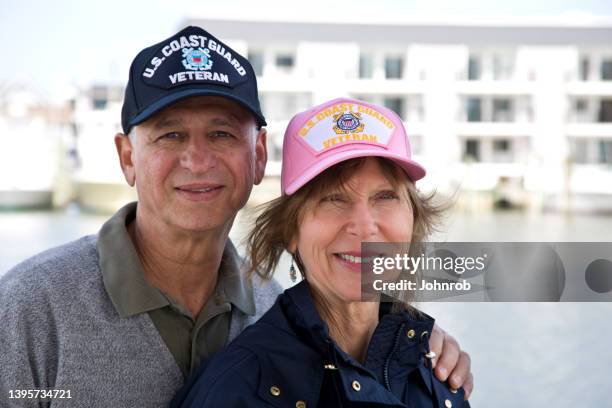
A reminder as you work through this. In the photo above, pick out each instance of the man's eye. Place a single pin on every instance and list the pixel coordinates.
(222, 134)
(170, 136)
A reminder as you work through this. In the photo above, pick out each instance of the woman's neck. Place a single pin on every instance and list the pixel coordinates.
(351, 324)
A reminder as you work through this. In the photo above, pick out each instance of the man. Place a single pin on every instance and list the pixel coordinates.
(123, 317)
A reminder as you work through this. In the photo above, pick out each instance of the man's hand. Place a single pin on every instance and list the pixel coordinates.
(450, 362)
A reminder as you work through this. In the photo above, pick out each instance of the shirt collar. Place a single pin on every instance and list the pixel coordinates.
(124, 278)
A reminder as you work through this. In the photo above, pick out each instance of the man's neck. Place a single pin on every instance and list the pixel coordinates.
(183, 266)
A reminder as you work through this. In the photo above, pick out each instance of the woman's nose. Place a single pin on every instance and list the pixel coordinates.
(362, 221)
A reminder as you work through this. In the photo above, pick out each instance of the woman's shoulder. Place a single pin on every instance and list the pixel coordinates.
(231, 372)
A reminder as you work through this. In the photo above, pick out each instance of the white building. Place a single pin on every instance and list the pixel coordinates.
(524, 109)
(33, 138)
(99, 184)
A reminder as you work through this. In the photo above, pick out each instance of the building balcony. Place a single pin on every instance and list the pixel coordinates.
(589, 130)
(494, 129)
(589, 88)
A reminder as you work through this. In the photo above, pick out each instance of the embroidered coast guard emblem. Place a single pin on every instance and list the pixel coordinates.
(348, 123)
(197, 59)
(351, 123)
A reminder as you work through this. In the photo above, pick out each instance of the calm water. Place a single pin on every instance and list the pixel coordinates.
(523, 354)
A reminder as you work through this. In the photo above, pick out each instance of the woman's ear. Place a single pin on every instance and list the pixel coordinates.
(292, 247)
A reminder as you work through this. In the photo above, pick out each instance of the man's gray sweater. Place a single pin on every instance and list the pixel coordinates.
(59, 330)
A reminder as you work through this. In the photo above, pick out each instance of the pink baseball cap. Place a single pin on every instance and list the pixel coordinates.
(339, 130)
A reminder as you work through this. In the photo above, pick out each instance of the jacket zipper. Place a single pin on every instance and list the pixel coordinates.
(388, 360)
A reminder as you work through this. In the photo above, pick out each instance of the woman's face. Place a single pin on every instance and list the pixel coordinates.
(330, 234)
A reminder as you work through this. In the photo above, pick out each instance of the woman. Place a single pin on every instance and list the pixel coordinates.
(347, 178)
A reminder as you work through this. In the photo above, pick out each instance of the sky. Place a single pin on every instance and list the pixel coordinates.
(61, 45)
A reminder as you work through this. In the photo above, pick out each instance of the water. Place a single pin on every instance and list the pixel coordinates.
(523, 354)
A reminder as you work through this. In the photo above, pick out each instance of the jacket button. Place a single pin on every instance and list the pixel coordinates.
(448, 404)
(300, 404)
(356, 385)
(410, 333)
(274, 390)
(425, 333)
(453, 390)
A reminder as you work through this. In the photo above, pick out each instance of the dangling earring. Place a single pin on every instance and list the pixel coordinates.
(292, 273)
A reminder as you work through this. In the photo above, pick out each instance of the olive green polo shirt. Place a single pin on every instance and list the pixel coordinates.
(189, 339)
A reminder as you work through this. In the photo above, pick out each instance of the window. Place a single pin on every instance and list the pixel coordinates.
(502, 151)
(605, 110)
(502, 110)
(584, 68)
(606, 69)
(396, 105)
(581, 105)
(100, 103)
(605, 151)
(366, 66)
(471, 150)
(474, 112)
(581, 110)
(501, 146)
(579, 149)
(257, 61)
(414, 111)
(474, 68)
(284, 61)
(393, 67)
(503, 66)
(99, 97)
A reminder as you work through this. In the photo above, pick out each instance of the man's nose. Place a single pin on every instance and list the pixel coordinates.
(198, 156)
(362, 221)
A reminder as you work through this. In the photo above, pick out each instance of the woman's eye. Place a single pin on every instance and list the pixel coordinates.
(387, 195)
(333, 198)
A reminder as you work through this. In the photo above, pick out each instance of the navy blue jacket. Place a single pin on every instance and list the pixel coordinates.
(287, 359)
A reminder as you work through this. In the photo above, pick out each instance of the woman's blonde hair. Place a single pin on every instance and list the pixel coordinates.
(278, 221)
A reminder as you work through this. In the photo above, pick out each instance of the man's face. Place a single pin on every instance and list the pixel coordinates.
(194, 164)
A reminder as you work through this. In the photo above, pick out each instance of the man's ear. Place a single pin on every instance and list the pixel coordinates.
(125, 151)
(261, 155)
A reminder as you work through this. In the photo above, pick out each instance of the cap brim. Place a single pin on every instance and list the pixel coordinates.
(180, 95)
(414, 170)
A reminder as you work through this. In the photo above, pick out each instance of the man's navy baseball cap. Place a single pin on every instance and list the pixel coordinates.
(190, 63)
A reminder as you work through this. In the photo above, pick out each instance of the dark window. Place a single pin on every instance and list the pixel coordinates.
(501, 145)
(393, 67)
(366, 66)
(472, 150)
(257, 61)
(100, 103)
(605, 110)
(474, 112)
(584, 69)
(581, 105)
(284, 61)
(606, 70)
(473, 68)
(396, 105)
(502, 110)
